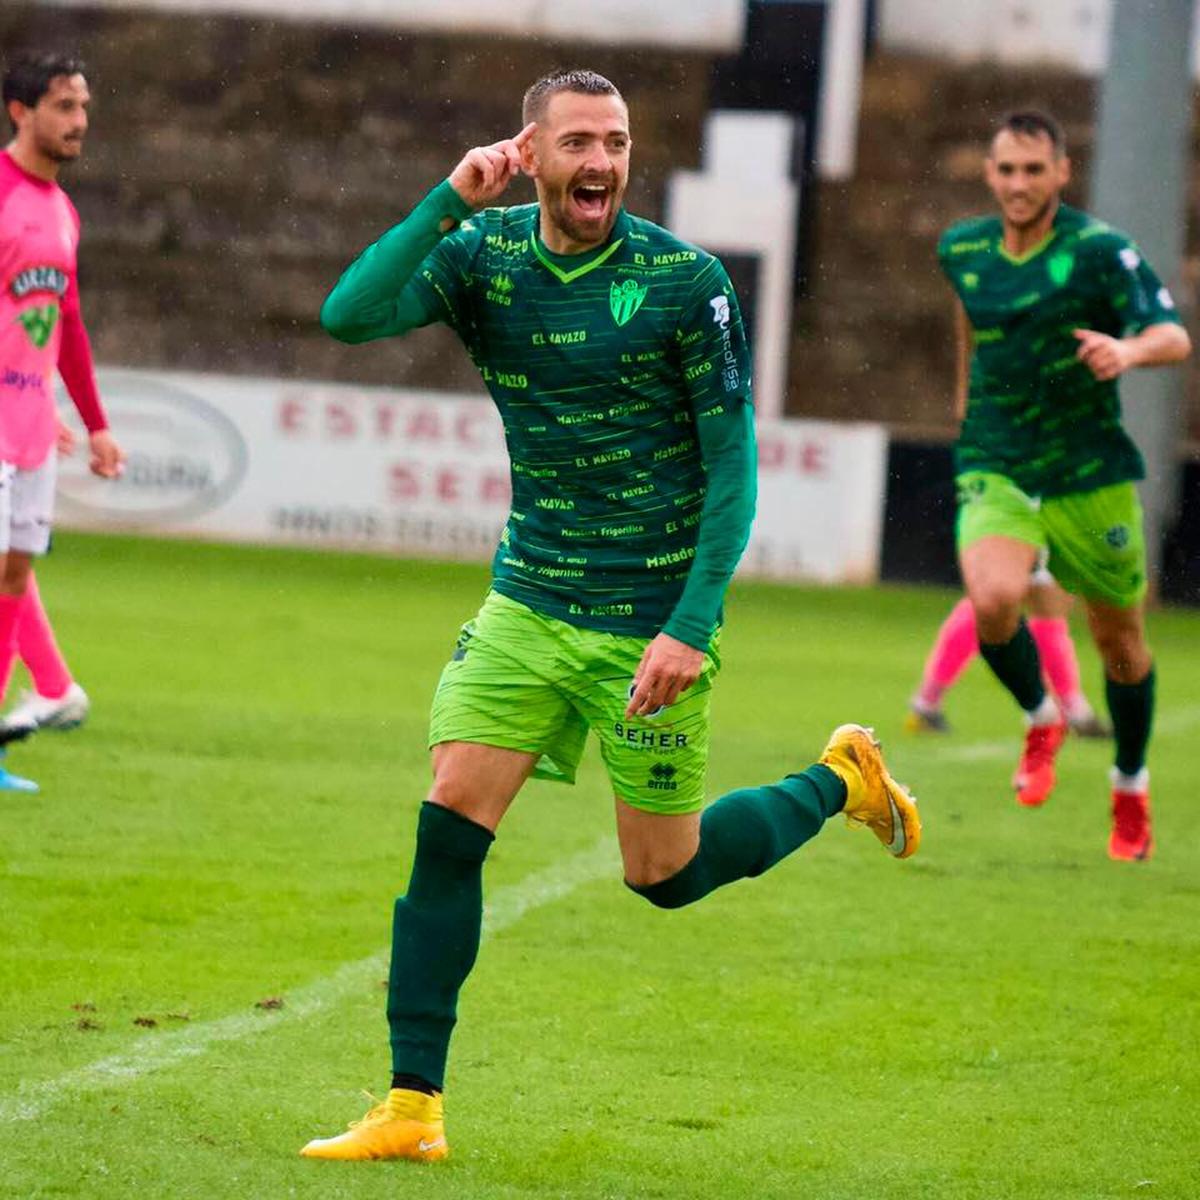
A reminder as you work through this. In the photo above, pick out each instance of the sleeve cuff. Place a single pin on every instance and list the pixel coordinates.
(448, 203)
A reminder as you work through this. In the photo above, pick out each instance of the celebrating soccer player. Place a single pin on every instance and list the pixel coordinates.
(1054, 306)
(616, 356)
(46, 98)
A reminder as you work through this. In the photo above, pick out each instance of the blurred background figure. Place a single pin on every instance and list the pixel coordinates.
(957, 645)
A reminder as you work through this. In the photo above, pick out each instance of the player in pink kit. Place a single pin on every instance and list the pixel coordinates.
(41, 330)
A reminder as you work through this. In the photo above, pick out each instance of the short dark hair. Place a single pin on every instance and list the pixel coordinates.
(1033, 122)
(28, 76)
(563, 79)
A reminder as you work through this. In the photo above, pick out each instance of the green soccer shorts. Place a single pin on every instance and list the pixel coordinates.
(1095, 541)
(524, 681)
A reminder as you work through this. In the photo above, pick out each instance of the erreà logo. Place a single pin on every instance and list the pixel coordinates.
(500, 289)
(662, 778)
(624, 299)
(39, 323)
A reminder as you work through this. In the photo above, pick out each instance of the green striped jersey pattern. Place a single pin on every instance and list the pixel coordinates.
(601, 365)
(1035, 413)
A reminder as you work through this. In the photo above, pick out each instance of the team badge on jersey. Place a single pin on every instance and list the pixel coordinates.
(39, 323)
(624, 299)
(1059, 267)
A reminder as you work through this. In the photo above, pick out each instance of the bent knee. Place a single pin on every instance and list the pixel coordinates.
(456, 794)
(997, 611)
(661, 893)
(1126, 657)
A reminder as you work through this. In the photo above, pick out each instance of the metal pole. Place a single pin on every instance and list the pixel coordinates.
(1139, 184)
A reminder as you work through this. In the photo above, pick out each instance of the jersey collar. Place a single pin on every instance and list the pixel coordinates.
(569, 267)
(1019, 260)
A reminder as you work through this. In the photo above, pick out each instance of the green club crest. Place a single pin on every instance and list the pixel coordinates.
(1117, 537)
(39, 323)
(624, 299)
(1059, 267)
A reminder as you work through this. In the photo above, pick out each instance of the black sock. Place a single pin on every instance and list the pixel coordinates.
(413, 1083)
(1131, 706)
(1015, 663)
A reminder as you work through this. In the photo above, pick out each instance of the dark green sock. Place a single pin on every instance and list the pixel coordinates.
(748, 831)
(1015, 663)
(1131, 706)
(435, 937)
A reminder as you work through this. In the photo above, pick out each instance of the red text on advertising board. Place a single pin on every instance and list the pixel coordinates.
(343, 417)
(804, 456)
(415, 482)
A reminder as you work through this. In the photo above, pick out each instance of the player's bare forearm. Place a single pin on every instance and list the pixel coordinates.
(1108, 357)
(1160, 345)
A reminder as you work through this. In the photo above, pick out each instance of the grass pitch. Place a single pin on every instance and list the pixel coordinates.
(196, 906)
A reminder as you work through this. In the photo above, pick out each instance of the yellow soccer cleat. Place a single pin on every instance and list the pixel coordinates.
(406, 1125)
(873, 797)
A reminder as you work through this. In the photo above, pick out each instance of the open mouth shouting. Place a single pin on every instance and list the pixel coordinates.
(591, 201)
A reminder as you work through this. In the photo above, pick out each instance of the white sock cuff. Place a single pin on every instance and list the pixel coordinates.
(1046, 713)
(1130, 783)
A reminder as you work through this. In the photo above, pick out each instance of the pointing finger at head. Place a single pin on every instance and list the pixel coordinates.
(482, 165)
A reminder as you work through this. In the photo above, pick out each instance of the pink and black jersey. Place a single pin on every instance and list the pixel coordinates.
(41, 327)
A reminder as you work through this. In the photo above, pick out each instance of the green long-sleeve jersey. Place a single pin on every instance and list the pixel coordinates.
(622, 377)
(1035, 412)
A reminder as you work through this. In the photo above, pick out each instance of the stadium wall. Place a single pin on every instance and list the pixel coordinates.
(713, 25)
(1067, 33)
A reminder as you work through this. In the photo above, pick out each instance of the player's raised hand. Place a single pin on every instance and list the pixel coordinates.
(1106, 357)
(486, 171)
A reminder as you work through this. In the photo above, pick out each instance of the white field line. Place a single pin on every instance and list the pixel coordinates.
(154, 1052)
(1169, 725)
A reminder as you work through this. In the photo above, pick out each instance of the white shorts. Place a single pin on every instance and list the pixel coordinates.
(27, 506)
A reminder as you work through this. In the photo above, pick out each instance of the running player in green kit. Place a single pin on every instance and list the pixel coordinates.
(616, 357)
(1053, 307)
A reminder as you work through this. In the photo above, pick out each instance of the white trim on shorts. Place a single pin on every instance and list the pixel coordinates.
(27, 506)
